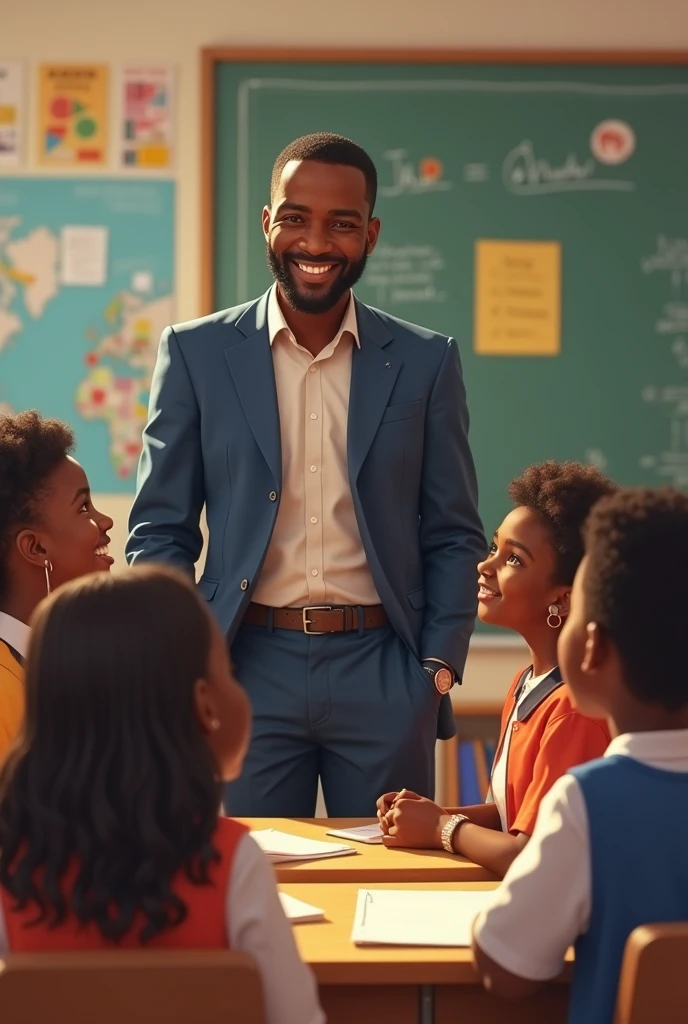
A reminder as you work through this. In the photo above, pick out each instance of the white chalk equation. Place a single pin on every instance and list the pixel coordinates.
(524, 173)
(405, 273)
(409, 178)
(670, 257)
(670, 465)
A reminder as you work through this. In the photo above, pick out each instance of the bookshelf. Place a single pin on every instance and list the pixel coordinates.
(466, 759)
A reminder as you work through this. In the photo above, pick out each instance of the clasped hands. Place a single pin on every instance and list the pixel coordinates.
(410, 820)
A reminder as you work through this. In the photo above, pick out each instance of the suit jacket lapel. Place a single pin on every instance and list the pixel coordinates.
(250, 363)
(373, 374)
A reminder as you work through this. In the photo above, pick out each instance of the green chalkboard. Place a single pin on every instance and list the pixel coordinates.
(592, 157)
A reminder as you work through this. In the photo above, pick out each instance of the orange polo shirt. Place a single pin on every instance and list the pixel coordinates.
(548, 736)
(11, 699)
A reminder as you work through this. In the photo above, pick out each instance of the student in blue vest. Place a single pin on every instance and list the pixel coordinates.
(608, 852)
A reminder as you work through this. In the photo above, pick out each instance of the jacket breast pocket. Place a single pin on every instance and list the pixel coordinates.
(406, 411)
(206, 588)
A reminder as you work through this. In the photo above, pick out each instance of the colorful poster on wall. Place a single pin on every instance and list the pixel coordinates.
(147, 117)
(11, 112)
(72, 115)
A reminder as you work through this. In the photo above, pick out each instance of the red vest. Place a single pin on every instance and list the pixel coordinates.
(205, 926)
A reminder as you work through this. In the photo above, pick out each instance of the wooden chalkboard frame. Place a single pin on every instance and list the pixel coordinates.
(211, 56)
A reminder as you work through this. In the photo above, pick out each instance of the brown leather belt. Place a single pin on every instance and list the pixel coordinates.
(317, 620)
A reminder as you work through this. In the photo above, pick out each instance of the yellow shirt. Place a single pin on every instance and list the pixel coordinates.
(316, 555)
(11, 699)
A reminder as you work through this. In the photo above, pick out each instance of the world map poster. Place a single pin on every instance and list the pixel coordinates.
(86, 352)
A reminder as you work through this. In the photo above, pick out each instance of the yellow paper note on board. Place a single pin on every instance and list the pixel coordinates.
(517, 298)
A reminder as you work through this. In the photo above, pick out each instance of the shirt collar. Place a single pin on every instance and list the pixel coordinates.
(667, 749)
(540, 692)
(16, 633)
(277, 323)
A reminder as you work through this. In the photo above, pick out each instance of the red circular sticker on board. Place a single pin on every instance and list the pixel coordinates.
(612, 142)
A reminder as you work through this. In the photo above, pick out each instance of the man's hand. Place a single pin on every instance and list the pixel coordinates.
(415, 823)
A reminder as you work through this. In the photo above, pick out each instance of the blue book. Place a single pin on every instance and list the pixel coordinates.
(469, 788)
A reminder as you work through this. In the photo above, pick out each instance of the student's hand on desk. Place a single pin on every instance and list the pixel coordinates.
(386, 802)
(414, 823)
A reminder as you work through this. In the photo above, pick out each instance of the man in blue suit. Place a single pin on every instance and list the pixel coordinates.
(328, 443)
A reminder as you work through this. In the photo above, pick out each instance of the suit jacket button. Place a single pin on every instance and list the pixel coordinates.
(272, 495)
(244, 584)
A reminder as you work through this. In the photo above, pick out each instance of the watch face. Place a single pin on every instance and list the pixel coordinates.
(443, 680)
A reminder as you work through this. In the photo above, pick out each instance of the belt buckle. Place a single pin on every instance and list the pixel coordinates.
(307, 622)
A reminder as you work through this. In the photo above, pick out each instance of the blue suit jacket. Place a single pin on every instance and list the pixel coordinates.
(213, 438)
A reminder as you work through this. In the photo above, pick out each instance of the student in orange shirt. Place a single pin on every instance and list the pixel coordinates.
(525, 585)
(133, 721)
(49, 533)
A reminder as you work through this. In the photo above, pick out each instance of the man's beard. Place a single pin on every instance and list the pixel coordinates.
(322, 302)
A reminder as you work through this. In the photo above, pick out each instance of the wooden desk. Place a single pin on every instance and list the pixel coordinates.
(403, 985)
(371, 863)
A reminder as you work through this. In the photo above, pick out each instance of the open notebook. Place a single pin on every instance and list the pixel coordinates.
(411, 917)
(281, 847)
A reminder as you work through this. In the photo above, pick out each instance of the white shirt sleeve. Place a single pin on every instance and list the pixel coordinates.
(543, 904)
(256, 925)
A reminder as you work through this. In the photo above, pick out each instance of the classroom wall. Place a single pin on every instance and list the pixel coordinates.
(175, 30)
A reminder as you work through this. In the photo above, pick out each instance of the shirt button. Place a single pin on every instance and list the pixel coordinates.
(313, 369)
(314, 519)
(244, 584)
(314, 415)
(314, 572)
(272, 495)
(515, 726)
(314, 469)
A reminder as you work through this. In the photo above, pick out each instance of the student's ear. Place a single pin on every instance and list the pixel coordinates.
(30, 546)
(596, 648)
(206, 711)
(563, 602)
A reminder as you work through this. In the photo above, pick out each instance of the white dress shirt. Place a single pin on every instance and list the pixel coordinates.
(316, 555)
(520, 930)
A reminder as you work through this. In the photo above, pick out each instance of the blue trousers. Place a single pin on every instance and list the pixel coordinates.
(355, 709)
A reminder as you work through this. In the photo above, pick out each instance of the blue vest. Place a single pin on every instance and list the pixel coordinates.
(638, 819)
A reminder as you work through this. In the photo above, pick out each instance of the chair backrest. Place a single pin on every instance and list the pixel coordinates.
(137, 987)
(653, 984)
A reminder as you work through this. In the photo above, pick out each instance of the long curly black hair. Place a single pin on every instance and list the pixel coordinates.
(112, 775)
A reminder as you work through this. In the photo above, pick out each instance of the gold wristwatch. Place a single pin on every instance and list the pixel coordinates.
(447, 835)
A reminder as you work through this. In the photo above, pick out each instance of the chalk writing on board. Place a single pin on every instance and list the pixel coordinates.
(670, 256)
(680, 350)
(671, 465)
(674, 319)
(476, 173)
(408, 179)
(405, 273)
(526, 174)
(596, 457)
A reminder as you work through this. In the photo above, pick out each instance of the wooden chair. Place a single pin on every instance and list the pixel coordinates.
(653, 984)
(134, 987)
